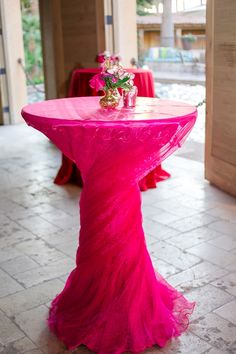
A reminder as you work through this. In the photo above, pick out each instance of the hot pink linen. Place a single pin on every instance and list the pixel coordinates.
(114, 301)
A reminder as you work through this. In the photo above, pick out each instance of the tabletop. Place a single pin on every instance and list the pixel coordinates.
(87, 109)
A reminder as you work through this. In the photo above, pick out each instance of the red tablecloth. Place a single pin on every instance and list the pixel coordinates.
(79, 86)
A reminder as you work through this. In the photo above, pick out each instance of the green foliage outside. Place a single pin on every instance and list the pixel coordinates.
(32, 42)
(141, 5)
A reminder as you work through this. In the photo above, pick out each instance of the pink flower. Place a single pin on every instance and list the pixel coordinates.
(97, 82)
(131, 82)
(122, 73)
(114, 70)
(116, 58)
(100, 58)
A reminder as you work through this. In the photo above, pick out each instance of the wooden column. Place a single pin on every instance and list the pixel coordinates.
(13, 84)
(109, 28)
(125, 30)
(141, 48)
(167, 25)
(220, 157)
(4, 105)
(73, 32)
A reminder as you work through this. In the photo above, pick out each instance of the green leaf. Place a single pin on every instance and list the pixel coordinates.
(119, 83)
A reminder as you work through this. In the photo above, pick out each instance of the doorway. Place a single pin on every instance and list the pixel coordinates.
(179, 69)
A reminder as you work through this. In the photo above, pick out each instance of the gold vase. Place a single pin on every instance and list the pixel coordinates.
(111, 99)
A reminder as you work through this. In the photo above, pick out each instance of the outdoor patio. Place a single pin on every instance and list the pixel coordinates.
(190, 229)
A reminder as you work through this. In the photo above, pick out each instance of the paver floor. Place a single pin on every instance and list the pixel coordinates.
(190, 229)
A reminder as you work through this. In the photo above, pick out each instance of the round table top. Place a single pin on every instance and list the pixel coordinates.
(87, 109)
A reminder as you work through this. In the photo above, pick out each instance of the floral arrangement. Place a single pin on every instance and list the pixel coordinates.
(112, 76)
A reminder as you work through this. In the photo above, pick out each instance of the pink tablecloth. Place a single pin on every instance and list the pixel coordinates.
(114, 301)
(79, 86)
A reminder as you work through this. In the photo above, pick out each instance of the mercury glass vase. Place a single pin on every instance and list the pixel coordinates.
(111, 99)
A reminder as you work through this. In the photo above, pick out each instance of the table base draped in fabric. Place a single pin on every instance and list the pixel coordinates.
(114, 301)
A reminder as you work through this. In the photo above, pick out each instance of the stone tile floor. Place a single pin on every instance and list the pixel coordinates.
(191, 235)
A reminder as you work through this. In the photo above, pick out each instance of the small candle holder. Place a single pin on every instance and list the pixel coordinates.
(129, 97)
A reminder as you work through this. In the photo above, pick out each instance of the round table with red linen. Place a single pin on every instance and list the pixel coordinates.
(114, 301)
(79, 86)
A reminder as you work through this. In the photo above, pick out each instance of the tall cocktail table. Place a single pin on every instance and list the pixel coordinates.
(114, 301)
